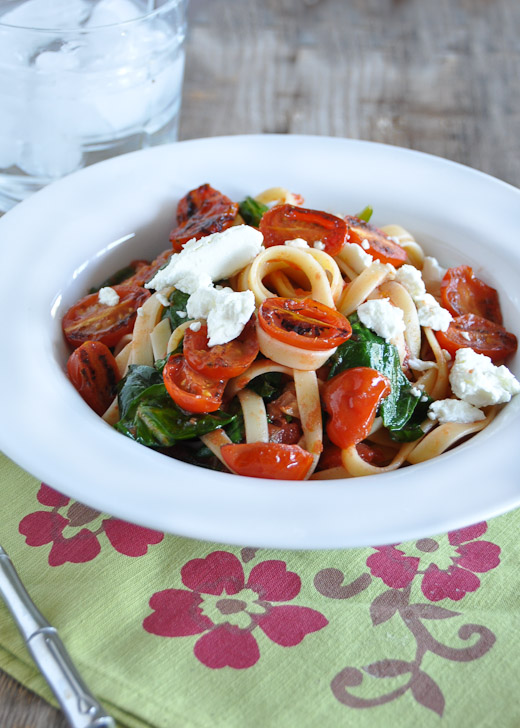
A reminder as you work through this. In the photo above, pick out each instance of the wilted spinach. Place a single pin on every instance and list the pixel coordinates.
(252, 211)
(366, 349)
(150, 416)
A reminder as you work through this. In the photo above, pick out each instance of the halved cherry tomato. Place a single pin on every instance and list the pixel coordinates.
(93, 371)
(90, 320)
(222, 361)
(146, 272)
(330, 457)
(352, 398)
(479, 334)
(462, 293)
(284, 417)
(288, 433)
(272, 460)
(201, 212)
(287, 222)
(307, 324)
(374, 454)
(380, 246)
(190, 390)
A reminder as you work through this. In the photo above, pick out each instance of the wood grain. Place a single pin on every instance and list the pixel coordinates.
(441, 77)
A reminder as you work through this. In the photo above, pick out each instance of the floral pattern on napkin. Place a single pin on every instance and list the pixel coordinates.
(237, 605)
(227, 609)
(63, 524)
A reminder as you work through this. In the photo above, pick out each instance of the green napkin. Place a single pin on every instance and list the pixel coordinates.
(172, 632)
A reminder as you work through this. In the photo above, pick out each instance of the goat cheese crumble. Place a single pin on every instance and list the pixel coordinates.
(454, 410)
(107, 296)
(475, 379)
(382, 317)
(200, 263)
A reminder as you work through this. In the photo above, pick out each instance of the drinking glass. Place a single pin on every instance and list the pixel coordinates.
(84, 80)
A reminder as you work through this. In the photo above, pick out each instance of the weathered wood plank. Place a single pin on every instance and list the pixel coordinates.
(439, 77)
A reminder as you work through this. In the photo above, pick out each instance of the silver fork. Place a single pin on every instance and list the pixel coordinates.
(80, 707)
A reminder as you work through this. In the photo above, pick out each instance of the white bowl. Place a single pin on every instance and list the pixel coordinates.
(75, 232)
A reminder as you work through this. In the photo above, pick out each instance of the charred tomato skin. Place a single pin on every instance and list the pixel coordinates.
(305, 323)
(90, 320)
(94, 373)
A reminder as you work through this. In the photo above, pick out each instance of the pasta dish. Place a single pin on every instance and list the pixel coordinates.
(277, 341)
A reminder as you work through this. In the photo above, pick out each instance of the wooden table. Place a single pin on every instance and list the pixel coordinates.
(442, 77)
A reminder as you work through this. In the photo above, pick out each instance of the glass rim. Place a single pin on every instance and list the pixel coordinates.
(146, 15)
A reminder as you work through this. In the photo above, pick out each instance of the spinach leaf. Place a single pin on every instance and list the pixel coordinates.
(138, 379)
(151, 417)
(178, 301)
(252, 211)
(412, 429)
(269, 386)
(236, 429)
(167, 424)
(365, 214)
(366, 349)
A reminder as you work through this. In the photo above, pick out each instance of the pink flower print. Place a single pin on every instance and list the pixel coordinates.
(72, 541)
(448, 564)
(225, 610)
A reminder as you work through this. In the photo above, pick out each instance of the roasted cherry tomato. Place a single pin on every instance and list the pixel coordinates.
(479, 334)
(201, 212)
(146, 272)
(288, 433)
(222, 361)
(93, 371)
(305, 323)
(462, 293)
(330, 457)
(287, 222)
(90, 320)
(352, 398)
(190, 390)
(272, 460)
(374, 454)
(380, 246)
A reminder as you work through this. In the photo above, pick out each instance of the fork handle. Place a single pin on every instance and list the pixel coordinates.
(80, 707)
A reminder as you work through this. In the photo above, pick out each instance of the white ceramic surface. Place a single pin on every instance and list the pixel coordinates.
(75, 232)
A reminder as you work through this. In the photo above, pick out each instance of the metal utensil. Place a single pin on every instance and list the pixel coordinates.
(80, 707)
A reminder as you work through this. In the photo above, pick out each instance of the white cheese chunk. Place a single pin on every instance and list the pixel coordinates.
(431, 313)
(297, 243)
(107, 296)
(475, 379)
(409, 277)
(212, 258)
(226, 312)
(432, 275)
(163, 300)
(195, 326)
(318, 245)
(201, 302)
(382, 317)
(359, 259)
(454, 410)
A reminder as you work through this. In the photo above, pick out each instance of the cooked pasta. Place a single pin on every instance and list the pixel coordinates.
(312, 349)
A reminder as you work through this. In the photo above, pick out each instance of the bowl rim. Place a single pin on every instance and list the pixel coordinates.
(236, 510)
